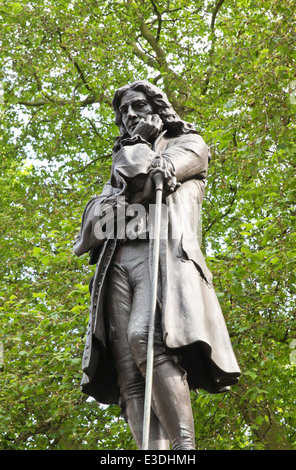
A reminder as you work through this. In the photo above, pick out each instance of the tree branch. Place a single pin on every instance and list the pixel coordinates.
(212, 49)
(159, 20)
(215, 12)
(83, 103)
(74, 62)
(142, 56)
(225, 214)
(101, 157)
(159, 62)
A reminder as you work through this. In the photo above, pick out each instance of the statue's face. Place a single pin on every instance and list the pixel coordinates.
(133, 107)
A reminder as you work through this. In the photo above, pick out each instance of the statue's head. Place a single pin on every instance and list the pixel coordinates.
(158, 103)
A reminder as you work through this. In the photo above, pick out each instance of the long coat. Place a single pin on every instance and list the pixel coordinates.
(192, 322)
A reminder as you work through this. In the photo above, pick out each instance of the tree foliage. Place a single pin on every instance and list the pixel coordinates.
(229, 68)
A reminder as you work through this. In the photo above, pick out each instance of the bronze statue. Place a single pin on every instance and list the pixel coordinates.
(192, 348)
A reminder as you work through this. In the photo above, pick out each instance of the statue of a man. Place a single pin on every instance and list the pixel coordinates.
(192, 348)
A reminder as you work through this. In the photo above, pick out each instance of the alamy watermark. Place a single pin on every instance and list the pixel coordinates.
(135, 221)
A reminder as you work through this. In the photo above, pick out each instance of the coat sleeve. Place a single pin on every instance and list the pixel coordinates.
(87, 238)
(131, 165)
(129, 170)
(189, 157)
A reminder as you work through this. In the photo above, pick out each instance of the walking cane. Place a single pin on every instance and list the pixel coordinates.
(158, 181)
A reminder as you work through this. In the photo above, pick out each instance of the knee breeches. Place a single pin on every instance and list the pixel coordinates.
(128, 309)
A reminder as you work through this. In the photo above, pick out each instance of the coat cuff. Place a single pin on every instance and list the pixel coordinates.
(137, 139)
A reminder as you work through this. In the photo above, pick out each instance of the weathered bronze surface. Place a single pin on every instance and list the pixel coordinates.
(192, 348)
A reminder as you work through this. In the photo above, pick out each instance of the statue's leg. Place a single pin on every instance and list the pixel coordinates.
(119, 297)
(171, 403)
(134, 409)
(171, 407)
(170, 390)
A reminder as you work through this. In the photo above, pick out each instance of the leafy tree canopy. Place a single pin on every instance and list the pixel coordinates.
(228, 67)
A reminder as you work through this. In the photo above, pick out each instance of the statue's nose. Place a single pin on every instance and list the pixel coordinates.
(131, 113)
